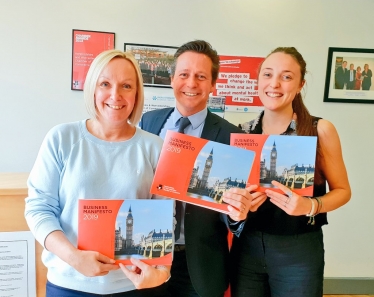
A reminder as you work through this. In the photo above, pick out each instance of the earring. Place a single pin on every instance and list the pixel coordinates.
(293, 124)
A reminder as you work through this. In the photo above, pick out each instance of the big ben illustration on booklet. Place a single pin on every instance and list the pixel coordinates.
(289, 160)
(199, 171)
(124, 229)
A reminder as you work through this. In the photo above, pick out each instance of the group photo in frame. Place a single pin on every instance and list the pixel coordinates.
(86, 46)
(155, 61)
(349, 75)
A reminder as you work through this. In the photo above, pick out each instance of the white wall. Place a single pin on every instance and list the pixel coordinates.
(35, 72)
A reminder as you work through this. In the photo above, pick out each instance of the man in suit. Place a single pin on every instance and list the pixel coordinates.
(341, 76)
(351, 77)
(200, 263)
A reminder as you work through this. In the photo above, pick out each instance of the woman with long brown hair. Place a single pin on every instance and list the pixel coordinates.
(280, 252)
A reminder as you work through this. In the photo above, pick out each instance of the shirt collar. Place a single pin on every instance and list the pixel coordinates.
(196, 119)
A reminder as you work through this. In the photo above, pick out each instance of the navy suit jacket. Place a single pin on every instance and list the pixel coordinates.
(340, 77)
(206, 242)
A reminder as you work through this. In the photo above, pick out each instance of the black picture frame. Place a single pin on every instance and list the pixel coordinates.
(155, 62)
(339, 84)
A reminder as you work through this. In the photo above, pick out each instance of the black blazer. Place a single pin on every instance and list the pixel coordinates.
(340, 77)
(205, 233)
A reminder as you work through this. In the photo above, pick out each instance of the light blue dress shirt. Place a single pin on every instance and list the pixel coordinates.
(197, 124)
(195, 129)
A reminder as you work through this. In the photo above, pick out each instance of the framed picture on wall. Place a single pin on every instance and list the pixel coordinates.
(86, 46)
(349, 75)
(155, 63)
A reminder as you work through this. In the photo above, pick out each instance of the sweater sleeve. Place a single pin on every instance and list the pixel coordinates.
(42, 209)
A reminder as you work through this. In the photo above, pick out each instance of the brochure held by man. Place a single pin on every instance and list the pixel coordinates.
(199, 171)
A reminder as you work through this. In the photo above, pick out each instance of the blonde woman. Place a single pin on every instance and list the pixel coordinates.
(106, 157)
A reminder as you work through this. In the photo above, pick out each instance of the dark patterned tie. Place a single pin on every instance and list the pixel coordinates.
(183, 123)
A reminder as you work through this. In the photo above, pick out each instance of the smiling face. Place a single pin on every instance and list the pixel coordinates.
(192, 82)
(115, 92)
(279, 81)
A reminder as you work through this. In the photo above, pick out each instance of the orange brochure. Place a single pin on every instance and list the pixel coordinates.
(124, 229)
(289, 160)
(199, 171)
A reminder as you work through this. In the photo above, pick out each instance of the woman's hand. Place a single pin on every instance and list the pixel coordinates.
(88, 263)
(241, 201)
(293, 204)
(91, 263)
(145, 276)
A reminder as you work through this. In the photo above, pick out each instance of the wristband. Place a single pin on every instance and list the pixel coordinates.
(319, 209)
(312, 213)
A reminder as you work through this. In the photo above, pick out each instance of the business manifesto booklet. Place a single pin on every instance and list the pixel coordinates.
(199, 171)
(124, 229)
(287, 159)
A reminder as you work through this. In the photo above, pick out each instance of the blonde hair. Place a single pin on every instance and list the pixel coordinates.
(97, 66)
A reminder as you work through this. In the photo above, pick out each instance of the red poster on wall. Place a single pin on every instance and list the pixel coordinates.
(86, 46)
(237, 82)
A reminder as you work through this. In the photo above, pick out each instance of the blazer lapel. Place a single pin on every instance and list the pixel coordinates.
(211, 127)
(156, 123)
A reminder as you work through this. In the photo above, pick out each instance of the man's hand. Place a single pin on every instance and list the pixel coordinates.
(241, 201)
(145, 276)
